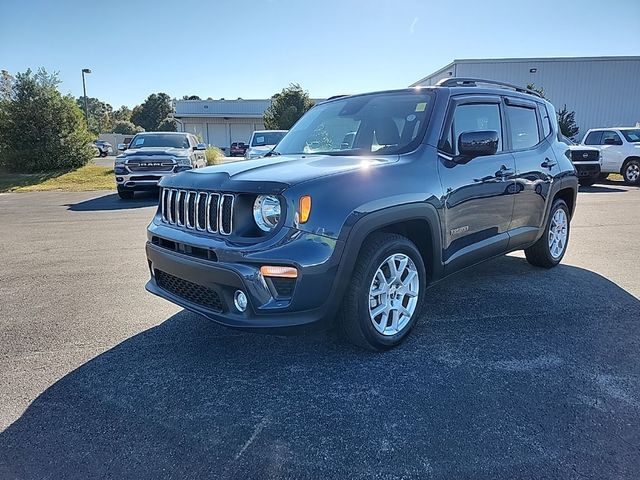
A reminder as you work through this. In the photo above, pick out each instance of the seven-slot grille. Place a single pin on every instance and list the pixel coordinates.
(203, 211)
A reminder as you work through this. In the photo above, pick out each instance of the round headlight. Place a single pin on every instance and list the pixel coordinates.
(266, 212)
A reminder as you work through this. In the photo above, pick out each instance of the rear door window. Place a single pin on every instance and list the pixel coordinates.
(523, 125)
(612, 137)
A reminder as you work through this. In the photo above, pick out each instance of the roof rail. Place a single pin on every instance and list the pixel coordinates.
(473, 82)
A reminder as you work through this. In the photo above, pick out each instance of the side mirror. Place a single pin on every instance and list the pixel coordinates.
(612, 141)
(122, 147)
(200, 146)
(478, 143)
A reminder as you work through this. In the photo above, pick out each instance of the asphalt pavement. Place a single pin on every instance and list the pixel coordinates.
(513, 371)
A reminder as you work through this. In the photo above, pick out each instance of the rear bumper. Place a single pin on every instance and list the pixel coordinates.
(312, 304)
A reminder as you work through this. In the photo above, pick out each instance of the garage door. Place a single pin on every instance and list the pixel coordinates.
(218, 135)
(241, 132)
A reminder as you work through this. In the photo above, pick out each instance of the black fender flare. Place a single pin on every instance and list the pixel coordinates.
(354, 236)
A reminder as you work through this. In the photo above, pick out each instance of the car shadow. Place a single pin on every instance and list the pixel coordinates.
(114, 202)
(511, 372)
(602, 188)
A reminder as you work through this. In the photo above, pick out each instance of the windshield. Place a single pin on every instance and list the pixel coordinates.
(632, 136)
(159, 140)
(384, 123)
(260, 139)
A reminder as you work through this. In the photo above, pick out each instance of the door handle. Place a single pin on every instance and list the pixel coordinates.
(548, 163)
(504, 172)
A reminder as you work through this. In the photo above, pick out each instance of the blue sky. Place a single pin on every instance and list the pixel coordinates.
(253, 48)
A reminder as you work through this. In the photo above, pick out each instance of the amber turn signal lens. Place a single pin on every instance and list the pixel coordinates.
(305, 208)
(277, 271)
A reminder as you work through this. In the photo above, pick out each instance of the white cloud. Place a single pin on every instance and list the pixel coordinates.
(412, 28)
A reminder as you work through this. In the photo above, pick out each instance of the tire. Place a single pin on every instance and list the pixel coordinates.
(540, 253)
(587, 182)
(354, 321)
(604, 176)
(103, 154)
(631, 171)
(125, 194)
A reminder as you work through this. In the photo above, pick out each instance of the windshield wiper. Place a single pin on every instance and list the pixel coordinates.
(271, 153)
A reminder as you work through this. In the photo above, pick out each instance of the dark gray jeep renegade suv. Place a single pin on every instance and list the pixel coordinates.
(366, 201)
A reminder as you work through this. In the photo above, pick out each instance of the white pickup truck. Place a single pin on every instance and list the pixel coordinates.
(619, 151)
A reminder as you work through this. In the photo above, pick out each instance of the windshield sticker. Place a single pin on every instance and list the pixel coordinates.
(259, 139)
(420, 107)
(139, 141)
(411, 118)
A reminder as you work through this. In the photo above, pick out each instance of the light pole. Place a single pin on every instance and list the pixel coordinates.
(84, 89)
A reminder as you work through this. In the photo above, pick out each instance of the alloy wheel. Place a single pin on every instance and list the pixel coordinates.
(633, 172)
(558, 232)
(393, 294)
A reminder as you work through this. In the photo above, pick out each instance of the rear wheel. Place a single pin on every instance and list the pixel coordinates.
(548, 251)
(125, 194)
(631, 172)
(383, 301)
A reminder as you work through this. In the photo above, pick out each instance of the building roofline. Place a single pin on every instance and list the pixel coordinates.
(524, 59)
(217, 115)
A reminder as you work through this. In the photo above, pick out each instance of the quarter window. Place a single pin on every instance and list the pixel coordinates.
(471, 118)
(524, 127)
(546, 121)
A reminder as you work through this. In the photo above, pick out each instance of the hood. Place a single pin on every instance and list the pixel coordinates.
(583, 148)
(151, 151)
(272, 173)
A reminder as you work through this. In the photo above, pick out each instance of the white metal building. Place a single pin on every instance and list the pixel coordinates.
(221, 122)
(603, 91)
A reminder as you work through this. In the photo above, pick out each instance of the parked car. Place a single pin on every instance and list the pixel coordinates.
(585, 159)
(619, 151)
(237, 149)
(262, 142)
(435, 179)
(152, 155)
(103, 148)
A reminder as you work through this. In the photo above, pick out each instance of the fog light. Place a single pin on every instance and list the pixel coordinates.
(240, 300)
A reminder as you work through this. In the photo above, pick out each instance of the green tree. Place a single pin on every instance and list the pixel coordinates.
(6, 85)
(100, 114)
(190, 97)
(287, 107)
(567, 123)
(123, 113)
(154, 110)
(566, 119)
(41, 130)
(126, 128)
(168, 125)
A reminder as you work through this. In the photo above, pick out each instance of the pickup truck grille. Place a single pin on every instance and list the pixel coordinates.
(584, 156)
(194, 210)
(150, 166)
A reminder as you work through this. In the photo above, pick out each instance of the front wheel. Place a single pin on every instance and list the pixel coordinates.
(383, 301)
(125, 194)
(548, 251)
(631, 172)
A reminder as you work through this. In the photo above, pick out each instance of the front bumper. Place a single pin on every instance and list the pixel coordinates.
(223, 269)
(587, 169)
(145, 179)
